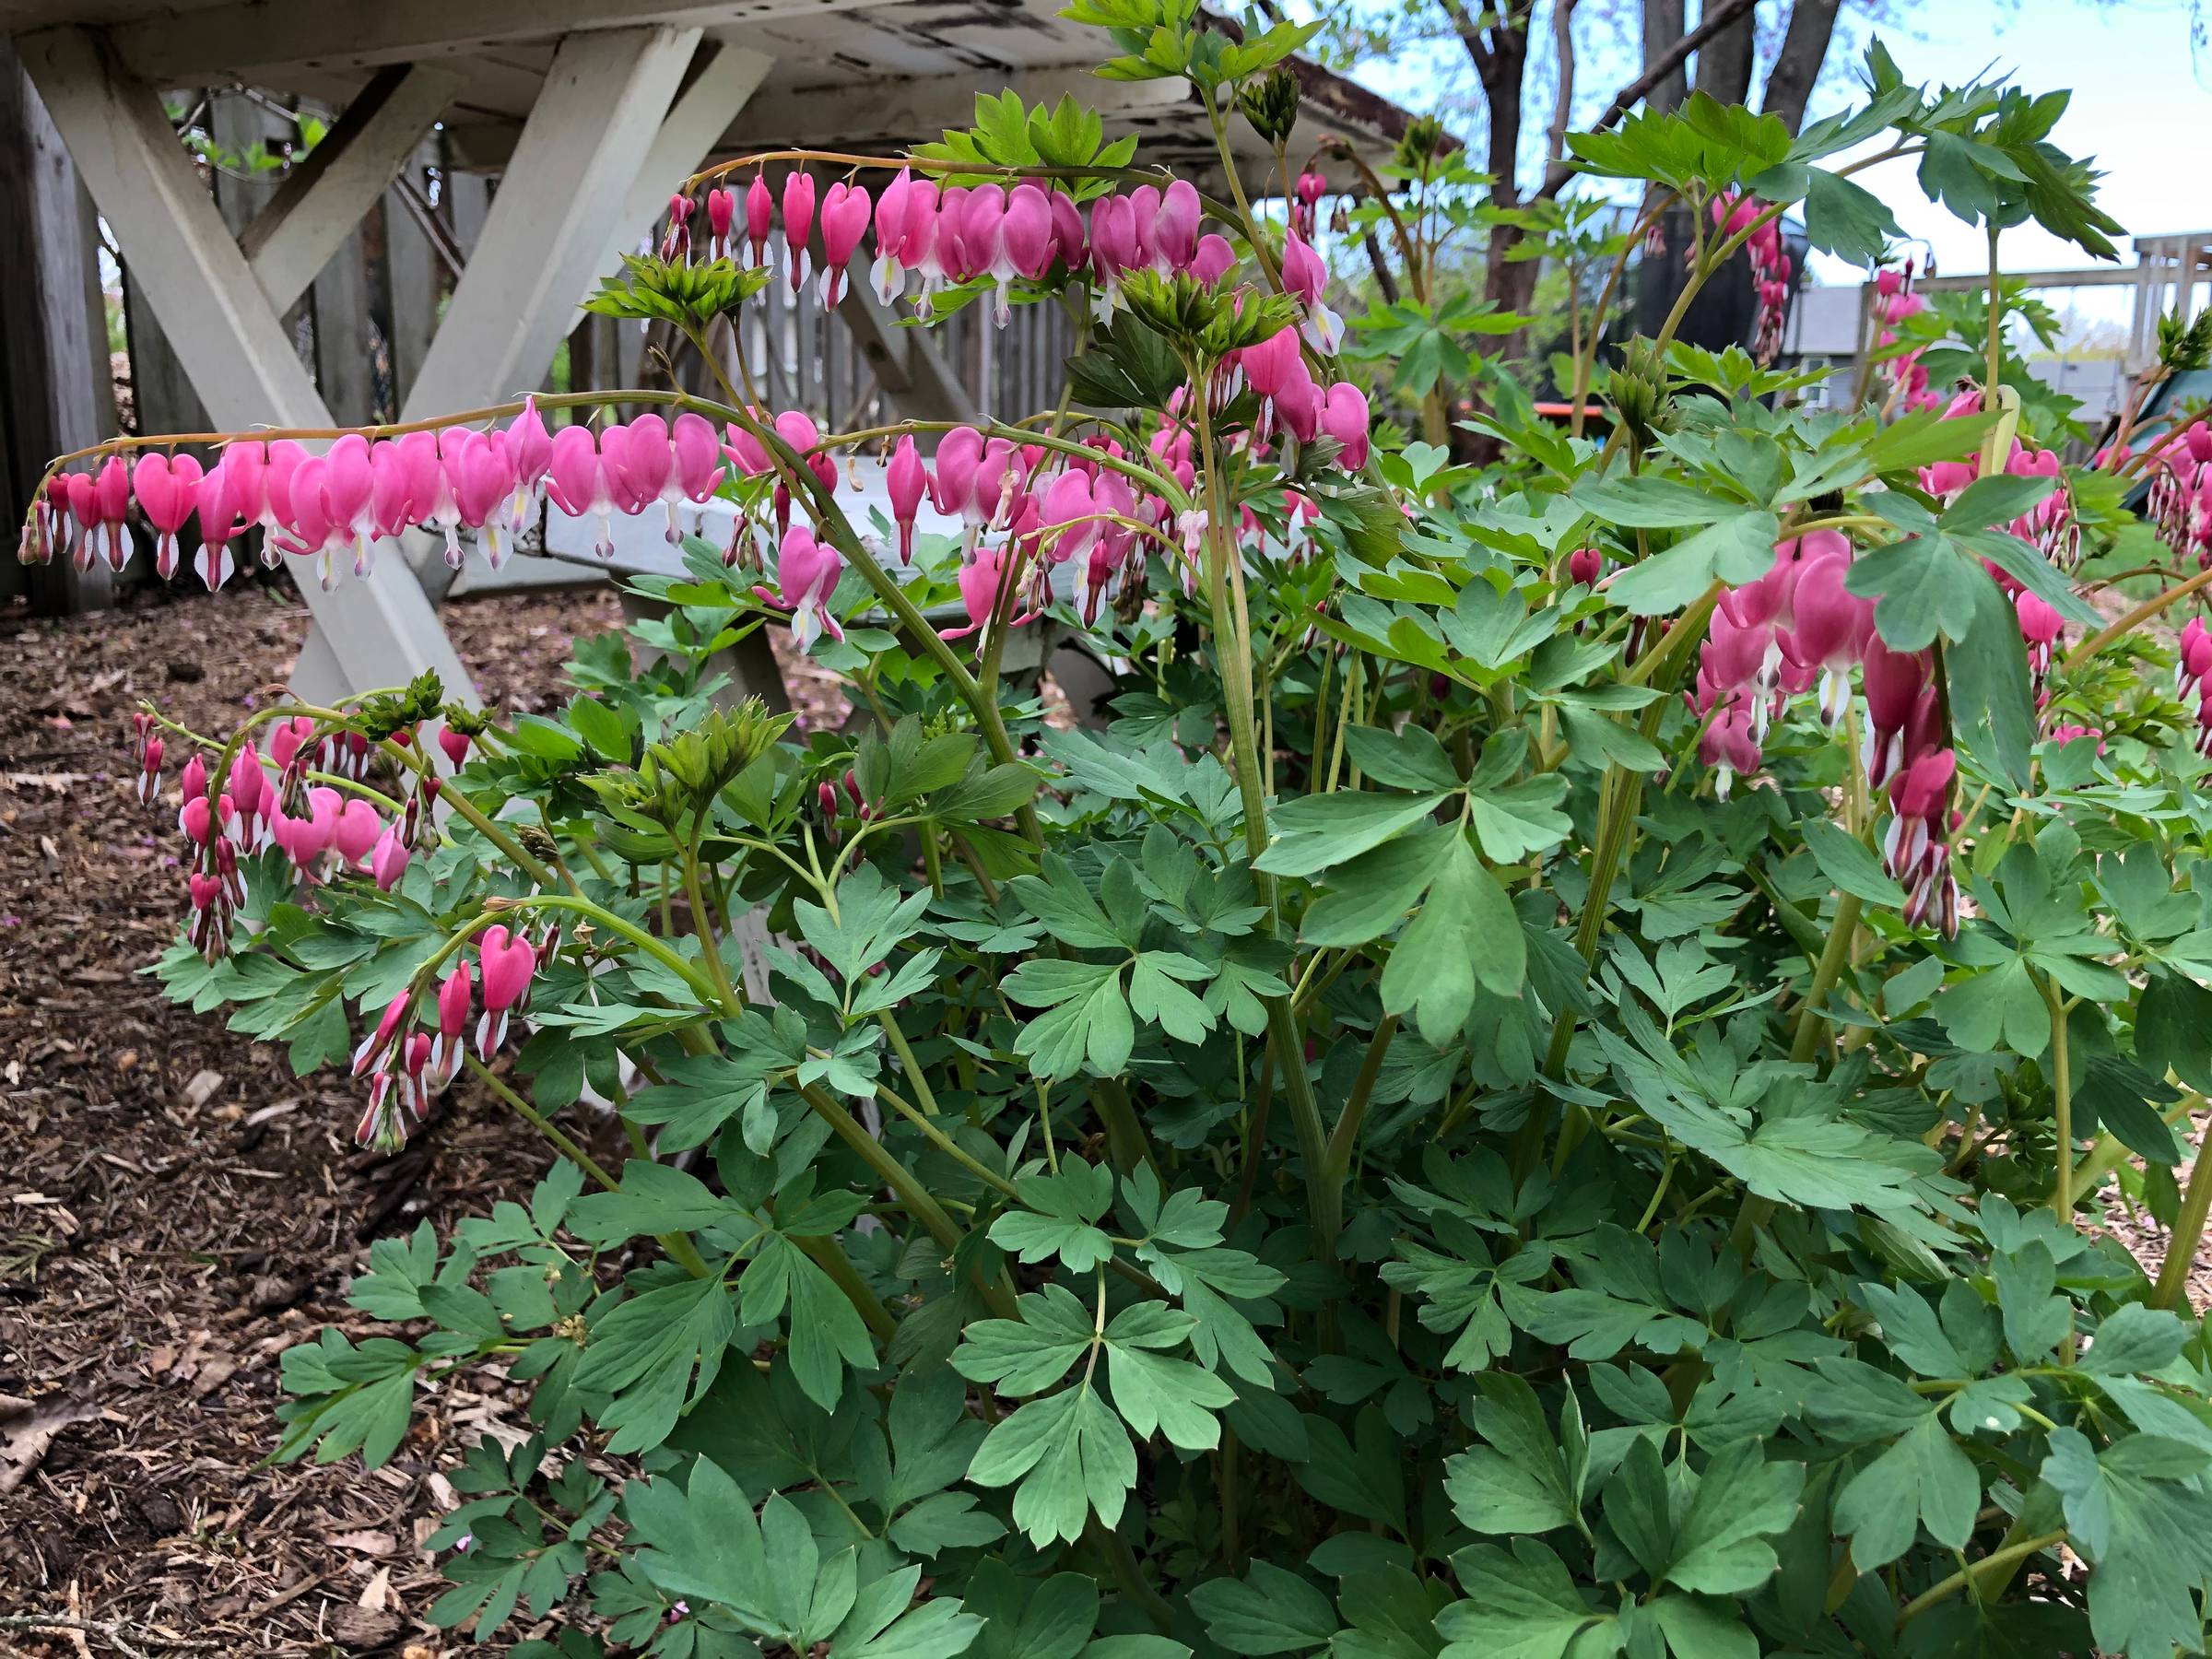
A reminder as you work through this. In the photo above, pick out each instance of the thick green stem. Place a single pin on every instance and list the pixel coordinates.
(537, 1120)
(1826, 971)
(1130, 1574)
(1233, 647)
(912, 1197)
(1260, 250)
(1993, 353)
(710, 996)
(2172, 1288)
(1226, 1486)
(923, 1094)
(471, 814)
(2108, 1151)
(833, 1261)
(2062, 1100)
(1689, 624)
(945, 1143)
(1124, 1130)
(2134, 618)
(1336, 1162)
(2000, 1562)
(702, 925)
(1619, 797)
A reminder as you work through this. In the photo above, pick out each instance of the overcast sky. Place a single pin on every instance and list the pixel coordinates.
(2142, 107)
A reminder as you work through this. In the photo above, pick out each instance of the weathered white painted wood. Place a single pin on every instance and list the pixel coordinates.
(566, 199)
(554, 216)
(232, 40)
(642, 548)
(851, 110)
(375, 631)
(701, 114)
(345, 336)
(467, 203)
(162, 399)
(411, 270)
(324, 198)
(54, 343)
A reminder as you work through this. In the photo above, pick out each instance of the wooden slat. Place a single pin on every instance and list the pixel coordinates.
(775, 380)
(231, 41)
(345, 338)
(806, 319)
(321, 200)
(411, 272)
(555, 217)
(54, 339)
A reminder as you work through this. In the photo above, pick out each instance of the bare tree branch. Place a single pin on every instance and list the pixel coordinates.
(1562, 103)
(1723, 14)
(1470, 30)
(1386, 283)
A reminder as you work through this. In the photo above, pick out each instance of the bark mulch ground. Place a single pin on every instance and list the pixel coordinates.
(175, 1206)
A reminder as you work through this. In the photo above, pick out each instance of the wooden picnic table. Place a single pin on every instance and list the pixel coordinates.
(592, 112)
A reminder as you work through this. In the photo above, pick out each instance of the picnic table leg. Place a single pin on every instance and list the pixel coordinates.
(223, 328)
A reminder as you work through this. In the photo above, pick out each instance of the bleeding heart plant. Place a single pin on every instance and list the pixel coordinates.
(1537, 1078)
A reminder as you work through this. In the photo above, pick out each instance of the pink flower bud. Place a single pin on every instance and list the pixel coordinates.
(722, 213)
(760, 216)
(845, 213)
(388, 859)
(798, 222)
(1343, 418)
(906, 481)
(380, 1042)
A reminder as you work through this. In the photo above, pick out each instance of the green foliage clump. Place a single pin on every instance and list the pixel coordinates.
(1365, 1147)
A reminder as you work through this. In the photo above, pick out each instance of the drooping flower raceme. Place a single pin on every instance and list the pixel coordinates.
(1798, 627)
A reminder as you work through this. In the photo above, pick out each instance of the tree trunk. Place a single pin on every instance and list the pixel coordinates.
(1724, 61)
(1662, 26)
(1499, 53)
(1804, 49)
(1502, 68)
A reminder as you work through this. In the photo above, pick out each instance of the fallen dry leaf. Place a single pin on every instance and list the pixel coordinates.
(368, 1543)
(27, 1428)
(376, 1594)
